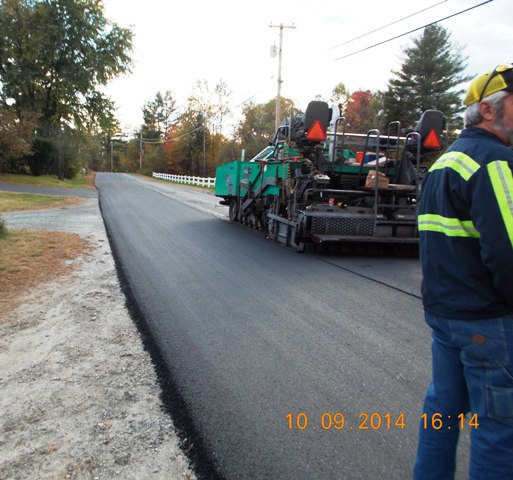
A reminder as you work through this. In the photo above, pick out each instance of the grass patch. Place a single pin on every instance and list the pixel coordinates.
(80, 181)
(30, 257)
(13, 202)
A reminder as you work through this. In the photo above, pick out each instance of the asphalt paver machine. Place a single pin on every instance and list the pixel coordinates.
(317, 183)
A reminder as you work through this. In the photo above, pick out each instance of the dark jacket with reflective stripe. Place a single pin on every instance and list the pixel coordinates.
(466, 229)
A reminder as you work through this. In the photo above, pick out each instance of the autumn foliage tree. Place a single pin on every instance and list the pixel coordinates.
(257, 127)
(193, 141)
(16, 129)
(340, 96)
(54, 57)
(362, 111)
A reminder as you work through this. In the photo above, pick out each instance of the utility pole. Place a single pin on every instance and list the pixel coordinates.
(140, 152)
(280, 81)
(204, 148)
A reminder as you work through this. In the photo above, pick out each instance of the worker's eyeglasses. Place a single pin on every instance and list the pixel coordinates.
(498, 70)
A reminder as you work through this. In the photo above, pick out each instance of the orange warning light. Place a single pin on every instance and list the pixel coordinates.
(316, 132)
(432, 140)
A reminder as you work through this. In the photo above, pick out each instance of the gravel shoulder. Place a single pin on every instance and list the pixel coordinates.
(79, 394)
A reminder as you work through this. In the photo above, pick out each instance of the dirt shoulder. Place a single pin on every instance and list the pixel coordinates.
(31, 257)
(80, 397)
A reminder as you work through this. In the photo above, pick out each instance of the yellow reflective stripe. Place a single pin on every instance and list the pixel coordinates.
(502, 183)
(459, 162)
(452, 227)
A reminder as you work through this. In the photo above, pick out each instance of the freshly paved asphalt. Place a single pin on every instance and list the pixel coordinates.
(252, 331)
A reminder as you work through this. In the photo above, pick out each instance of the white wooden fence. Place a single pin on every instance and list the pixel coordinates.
(201, 181)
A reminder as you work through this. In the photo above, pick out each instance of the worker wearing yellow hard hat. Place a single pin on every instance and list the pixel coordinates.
(466, 250)
(500, 78)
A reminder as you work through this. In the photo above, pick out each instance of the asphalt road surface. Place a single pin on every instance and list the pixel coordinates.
(292, 366)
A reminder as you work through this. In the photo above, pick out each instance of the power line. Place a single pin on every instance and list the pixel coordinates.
(172, 123)
(411, 31)
(185, 134)
(248, 99)
(384, 26)
(166, 140)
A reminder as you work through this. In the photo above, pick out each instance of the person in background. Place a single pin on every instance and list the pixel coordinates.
(466, 250)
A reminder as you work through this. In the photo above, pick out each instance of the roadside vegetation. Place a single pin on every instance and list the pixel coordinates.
(14, 202)
(80, 181)
(29, 257)
(55, 58)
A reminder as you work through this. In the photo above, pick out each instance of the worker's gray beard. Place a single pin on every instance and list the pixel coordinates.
(499, 125)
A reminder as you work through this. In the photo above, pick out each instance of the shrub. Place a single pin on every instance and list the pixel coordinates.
(43, 156)
(46, 158)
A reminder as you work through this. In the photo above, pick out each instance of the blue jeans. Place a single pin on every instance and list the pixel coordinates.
(472, 372)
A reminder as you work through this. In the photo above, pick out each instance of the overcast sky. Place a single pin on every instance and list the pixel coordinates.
(177, 43)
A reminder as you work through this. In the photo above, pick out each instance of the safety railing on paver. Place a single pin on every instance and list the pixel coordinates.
(187, 179)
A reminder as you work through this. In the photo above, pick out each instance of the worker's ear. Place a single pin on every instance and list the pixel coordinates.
(487, 111)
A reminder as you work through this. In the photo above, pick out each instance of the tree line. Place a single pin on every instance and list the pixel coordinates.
(428, 78)
(55, 55)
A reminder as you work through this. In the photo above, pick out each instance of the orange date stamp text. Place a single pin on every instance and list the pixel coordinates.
(377, 421)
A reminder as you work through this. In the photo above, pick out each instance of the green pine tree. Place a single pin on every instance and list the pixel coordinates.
(432, 70)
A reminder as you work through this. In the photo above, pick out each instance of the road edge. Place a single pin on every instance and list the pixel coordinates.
(190, 443)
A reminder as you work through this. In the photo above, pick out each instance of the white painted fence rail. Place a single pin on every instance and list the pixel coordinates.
(201, 181)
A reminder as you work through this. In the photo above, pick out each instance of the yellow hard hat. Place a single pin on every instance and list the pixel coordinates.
(500, 78)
